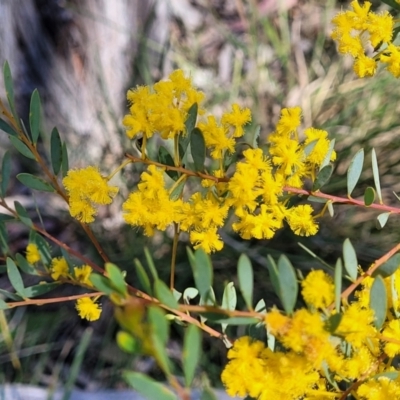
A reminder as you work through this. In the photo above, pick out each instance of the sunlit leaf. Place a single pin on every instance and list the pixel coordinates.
(350, 259)
(229, 300)
(375, 172)
(117, 278)
(288, 285)
(163, 294)
(382, 219)
(378, 301)
(354, 171)
(15, 277)
(246, 279)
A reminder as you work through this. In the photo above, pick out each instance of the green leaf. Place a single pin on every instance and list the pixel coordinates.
(310, 147)
(369, 196)
(35, 115)
(323, 262)
(7, 218)
(202, 271)
(350, 259)
(190, 123)
(15, 277)
(229, 300)
(208, 301)
(7, 128)
(389, 267)
(38, 290)
(354, 171)
(392, 375)
(150, 263)
(143, 277)
(147, 386)
(117, 278)
(382, 219)
(64, 162)
(126, 342)
(33, 182)
(273, 273)
(260, 306)
(56, 150)
(159, 337)
(4, 239)
(8, 84)
(189, 294)
(328, 156)
(333, 322)
(191, 352)
(102, 283)
(3, 305)
(165, 158)
(5, 173)
(378, 301)
(163, 294)
(198, 149)
(176, 193)
(375, 172)
(330, 209)
(23, 214)
(24, 265)
(323, 177)
(246, 280)
(43, 246)
(338, 284)
(392, 3)
(288, 285)
(234, 320)
(208, 394)
(22, 148)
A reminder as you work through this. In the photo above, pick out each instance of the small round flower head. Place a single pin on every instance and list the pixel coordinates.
(301, 221)
(32, 253)
(88, 309)
(82, 274)
(59, 268)
(318, 289)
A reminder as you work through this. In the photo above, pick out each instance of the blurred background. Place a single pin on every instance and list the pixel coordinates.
(263, 54)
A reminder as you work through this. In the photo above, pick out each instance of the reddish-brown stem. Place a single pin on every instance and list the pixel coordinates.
(178, 169)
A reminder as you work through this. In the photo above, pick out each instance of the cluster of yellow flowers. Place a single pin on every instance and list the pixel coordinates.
(367, 37)
(87, 307)
(312, 359)
(258, 190)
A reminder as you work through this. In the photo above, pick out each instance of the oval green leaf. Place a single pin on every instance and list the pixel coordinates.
(165, 158)
(117, 278)
(143, 277)
(55, 150)
(147, 386)
(38, 290)
(350, 259)
(24, 265)
(150, 263)
(198, 149)
(369, 196)
(246, 280)
(126, 342)
(382, 219)
(35, 115)
(102, 284)
(354, 171)
(378, 301)
(191, 352)
(5, 173)
(8, 84)
(375, 172)
(338, 284)
(7, 128)
(163, 294)
(389, 267)
(22, 148)
(273, 274)
(15, 277)
(33, 182)
(229, 300)
(288, 285)
(202, 271)
(65, 162)
(23, 214)
(323, 177)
